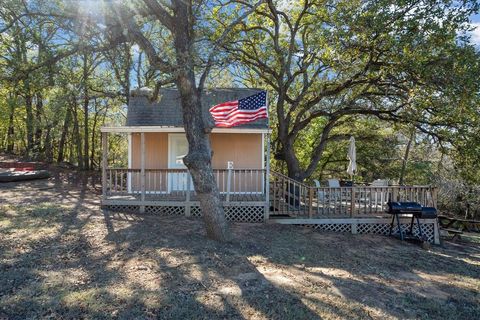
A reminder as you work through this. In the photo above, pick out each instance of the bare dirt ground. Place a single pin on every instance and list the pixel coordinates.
(62, 257)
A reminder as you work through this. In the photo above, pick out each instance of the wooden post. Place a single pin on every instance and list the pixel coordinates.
(142, 171)
(229, 181)
(434, 197)
(436, 233)
(104, 164)
(310, 202)
(352, 202)
(354, 226)
(395, 193)
(267, 181)
(187, 197)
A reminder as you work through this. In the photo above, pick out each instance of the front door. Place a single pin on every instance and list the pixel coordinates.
(177, 149)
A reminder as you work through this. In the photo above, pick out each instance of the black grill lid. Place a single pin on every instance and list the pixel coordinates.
(404, 207)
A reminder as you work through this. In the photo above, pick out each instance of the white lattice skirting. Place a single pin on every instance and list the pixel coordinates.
(381, 226)
(251, 214)
(255, 214)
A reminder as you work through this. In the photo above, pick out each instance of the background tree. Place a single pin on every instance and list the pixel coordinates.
(330, 61)
(378, 70)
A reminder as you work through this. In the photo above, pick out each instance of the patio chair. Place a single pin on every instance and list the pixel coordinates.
(320, 193)
(379, 183)
(333, 183)
(336, 193)
(321, 196)
(383, 183)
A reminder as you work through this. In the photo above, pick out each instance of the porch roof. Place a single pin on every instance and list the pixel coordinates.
(171, 129)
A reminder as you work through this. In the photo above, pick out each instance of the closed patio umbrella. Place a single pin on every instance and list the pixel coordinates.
(352, 156)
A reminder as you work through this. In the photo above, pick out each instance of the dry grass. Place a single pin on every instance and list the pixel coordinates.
(62, 257)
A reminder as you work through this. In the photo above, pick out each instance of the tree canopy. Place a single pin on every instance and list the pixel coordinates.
(400, 76)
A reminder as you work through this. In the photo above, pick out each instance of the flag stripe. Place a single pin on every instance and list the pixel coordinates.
(243, 118)
(225, 104)
(231, 124)
(241, 114)
(220, 115)
(222, 109)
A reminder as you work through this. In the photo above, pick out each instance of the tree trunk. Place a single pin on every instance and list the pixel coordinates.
(29, 119)
(48, 146)
(93, 139)
(405, 158)
(63, 137)
(22, 54)
(287, 152)
(11, 127)
(198, 159)
(86, 100)
(37, 137)
(127, 71)
(293, 165)
(77, 138)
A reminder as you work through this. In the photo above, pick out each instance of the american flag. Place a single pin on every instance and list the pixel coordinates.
(234, 113)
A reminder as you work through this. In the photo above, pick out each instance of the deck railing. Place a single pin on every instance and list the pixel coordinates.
(286, 196)
(292, 198)
(178, 182)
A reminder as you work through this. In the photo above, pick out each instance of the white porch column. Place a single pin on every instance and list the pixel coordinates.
(267, 181)
(129, 174)
(187, 196)
(142, 171)
(104, 164)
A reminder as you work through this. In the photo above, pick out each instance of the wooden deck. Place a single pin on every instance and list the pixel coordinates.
(298, 200)
(249, 195)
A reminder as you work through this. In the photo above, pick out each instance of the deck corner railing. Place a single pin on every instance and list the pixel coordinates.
(293, 198)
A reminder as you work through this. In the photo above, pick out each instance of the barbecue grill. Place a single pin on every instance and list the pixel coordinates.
(416, 211)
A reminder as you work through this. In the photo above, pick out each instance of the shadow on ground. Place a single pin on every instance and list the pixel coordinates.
(63, 257)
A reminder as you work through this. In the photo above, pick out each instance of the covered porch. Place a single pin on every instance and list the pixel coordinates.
(155, 180)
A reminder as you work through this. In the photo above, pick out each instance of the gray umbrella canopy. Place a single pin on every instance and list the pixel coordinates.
(352, 156)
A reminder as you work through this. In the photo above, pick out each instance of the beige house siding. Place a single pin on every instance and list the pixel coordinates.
(244, 149)
(156, 157)
(156, 150)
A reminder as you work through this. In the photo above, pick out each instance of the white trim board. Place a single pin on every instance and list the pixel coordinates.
(129, 175)
(131, 129)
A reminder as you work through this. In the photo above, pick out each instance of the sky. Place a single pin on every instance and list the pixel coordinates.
(476, 32)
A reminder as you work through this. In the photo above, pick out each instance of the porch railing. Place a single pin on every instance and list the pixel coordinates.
(292, 198)
(285, 196)
(178, 182)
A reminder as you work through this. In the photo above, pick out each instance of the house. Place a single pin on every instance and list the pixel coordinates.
(155, 180)
(157, 144)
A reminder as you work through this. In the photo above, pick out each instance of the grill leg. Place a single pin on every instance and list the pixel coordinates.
(399, 228)
(391, 225)
(411, 224)
(420, 233)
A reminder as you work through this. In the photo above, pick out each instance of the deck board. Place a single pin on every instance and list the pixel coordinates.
(166, 197)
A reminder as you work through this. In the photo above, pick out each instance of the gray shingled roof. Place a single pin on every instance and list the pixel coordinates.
(167, 111)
